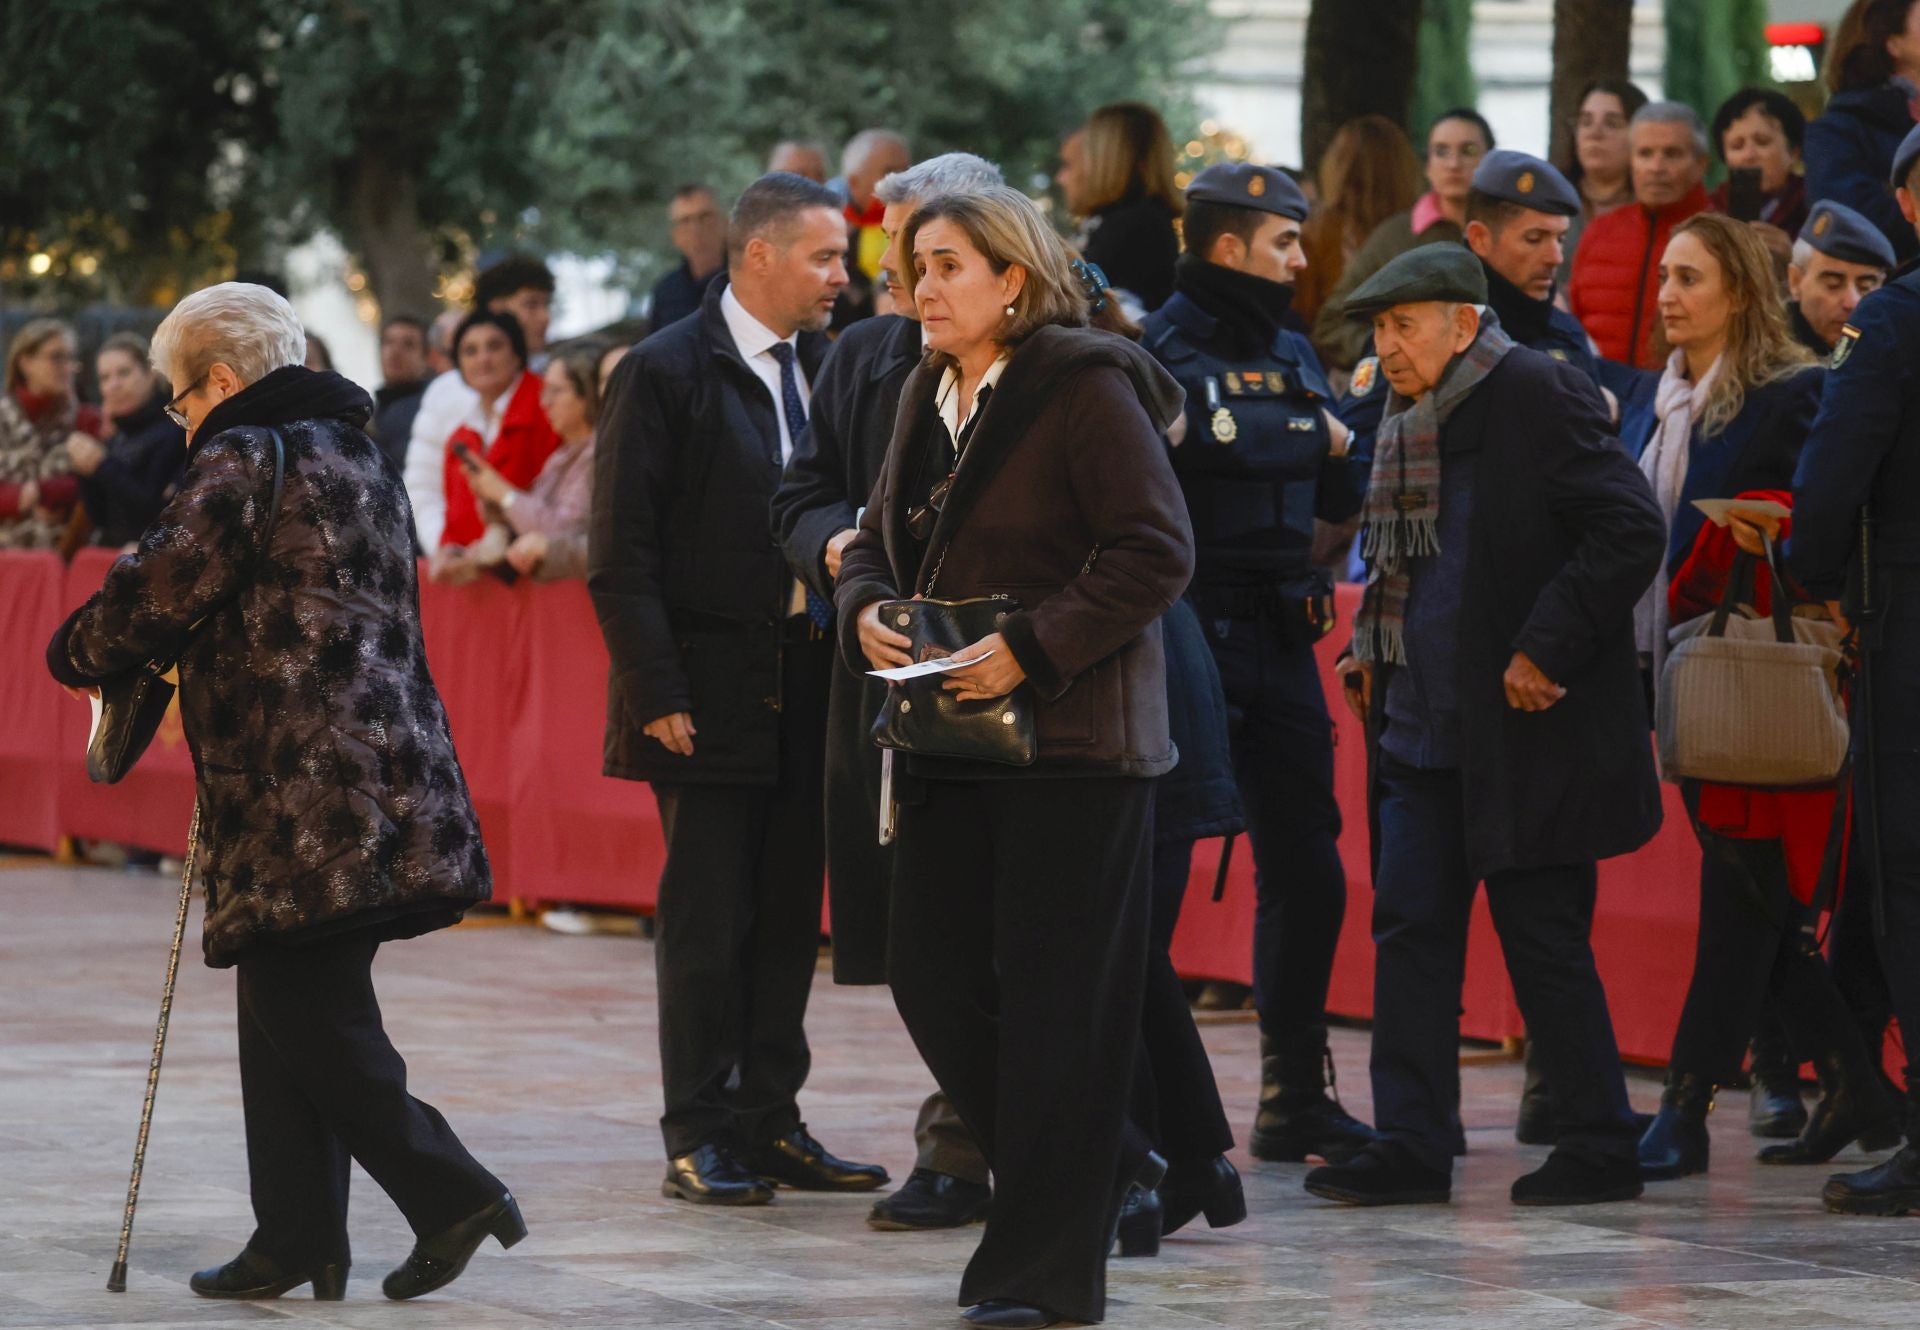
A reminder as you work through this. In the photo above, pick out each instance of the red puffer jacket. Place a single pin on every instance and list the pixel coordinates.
(1616, 276)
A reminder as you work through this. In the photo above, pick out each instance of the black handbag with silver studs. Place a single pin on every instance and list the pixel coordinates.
(922, 718)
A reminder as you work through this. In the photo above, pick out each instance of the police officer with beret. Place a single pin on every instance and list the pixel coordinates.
(1493, 665)
(1518, 212)
(1856, 529)
(1839, 258)
(1260, 455)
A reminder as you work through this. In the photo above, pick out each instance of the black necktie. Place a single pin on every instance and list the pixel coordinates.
(795, 410)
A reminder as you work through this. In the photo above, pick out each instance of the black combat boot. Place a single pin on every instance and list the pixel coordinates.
(1774, 1107)
(1675, 1145)
(1300, 1113)
(1892, 1188)
(1853, 1106)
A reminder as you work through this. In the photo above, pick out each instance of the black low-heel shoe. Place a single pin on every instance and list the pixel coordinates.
(251, 1275)
(437, 1261)
(1137, 1225)
(1211, 1188)
(1005, 1314)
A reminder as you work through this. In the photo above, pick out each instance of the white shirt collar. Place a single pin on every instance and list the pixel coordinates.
(750, 336)
(949, 395)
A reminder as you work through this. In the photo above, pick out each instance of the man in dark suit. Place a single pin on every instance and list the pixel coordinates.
(815, 514)
(718, 692)
(1493, 663)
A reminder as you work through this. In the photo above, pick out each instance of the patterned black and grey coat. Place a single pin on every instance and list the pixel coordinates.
(330, 797)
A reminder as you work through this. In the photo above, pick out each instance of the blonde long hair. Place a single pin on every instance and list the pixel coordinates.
(1760, 347)
(34, 334)
(1127, 145)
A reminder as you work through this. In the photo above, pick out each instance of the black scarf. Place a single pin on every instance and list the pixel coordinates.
(1248, 308)
(1527, 321)
(286, 395)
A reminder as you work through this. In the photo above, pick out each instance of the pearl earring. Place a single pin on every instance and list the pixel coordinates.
(1009, 311)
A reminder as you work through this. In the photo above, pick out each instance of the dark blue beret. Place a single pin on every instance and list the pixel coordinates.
(1517, 177)
(1903, 157)
(1244, 185)
(1443, 271)
(1838, 231)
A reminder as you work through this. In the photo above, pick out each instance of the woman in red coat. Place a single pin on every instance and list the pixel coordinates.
(507, 429)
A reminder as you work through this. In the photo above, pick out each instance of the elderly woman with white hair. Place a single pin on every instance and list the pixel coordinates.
(281, 578)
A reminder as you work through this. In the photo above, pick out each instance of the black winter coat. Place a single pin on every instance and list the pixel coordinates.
(686, 576)
(1849, 155)
(1199, 798)
(1566, 535)
(1068, 458)
(1134, 242)
(330, 796)
(831, 473)
(146, 456)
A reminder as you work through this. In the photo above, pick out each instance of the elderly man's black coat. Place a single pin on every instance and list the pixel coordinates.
(831, 473)
(686, 576)
(1566, 535)
(329, 793)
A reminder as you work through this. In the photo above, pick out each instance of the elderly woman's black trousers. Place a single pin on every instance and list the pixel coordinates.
(1018, 960)
(322, 1086)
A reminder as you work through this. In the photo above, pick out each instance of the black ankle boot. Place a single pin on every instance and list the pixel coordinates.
(1675, 1144)
(1300, 1113)
(1210, 1187)
(1852, 1107)
(1137, 1227)
(251, 1275)
(1774, 1107)
(1892, 1188)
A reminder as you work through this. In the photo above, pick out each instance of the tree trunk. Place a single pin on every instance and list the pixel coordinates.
(1592, 39)
(1359, 59)
(1443, 66)
(383, 212)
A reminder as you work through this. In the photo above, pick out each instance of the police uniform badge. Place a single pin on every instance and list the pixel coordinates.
(1257, 186)
(1365, 375)
(1844, 347)
(1525, 183)
(1225, 428)
(1557, 353)
(1821, 223)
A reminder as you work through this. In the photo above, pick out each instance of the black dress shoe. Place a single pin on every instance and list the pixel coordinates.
(1004, 1314)
(1576, 1179)
(251, 1275)
(1675, 1144)
(437, 1261)
(712, 1175)
(1385, 1173)
(1138, 1231)
(1892, 1188)
(797, 1160)
(1211, 1188)
(930, 1200)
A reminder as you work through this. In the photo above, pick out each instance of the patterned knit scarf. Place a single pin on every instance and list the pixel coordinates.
(1402, 511)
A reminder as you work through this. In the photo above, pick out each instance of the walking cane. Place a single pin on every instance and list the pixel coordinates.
(117, 1280)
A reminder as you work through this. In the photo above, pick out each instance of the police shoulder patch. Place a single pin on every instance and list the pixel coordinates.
(1844, 347)
(1365, 375)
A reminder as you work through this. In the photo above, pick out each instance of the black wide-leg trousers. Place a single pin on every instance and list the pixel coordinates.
(1018, 960)
(322, 1085)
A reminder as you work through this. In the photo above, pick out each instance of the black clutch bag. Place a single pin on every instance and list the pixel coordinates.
(133, 705)
(131, 709)
(922, 718)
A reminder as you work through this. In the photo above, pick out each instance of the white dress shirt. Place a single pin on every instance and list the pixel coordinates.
(755, 342)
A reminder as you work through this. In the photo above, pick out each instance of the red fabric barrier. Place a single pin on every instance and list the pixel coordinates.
(31, 705)
(523, 672)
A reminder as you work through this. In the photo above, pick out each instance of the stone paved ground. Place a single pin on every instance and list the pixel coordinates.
(540, 1049)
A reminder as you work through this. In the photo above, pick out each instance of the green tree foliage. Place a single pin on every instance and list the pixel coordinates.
(188, 139)
(1443, 77)
(1715, 48)
(124, 124)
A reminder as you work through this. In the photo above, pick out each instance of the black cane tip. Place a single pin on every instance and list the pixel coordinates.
(117, 1280)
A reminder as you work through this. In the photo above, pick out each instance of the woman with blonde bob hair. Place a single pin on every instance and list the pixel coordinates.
(1027, 463)
(330, 808)
(1117, 174)
(1733, 409)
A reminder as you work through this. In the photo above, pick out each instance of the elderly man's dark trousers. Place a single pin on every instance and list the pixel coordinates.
(1018, 961)
(1423, 900)
(737, 931)
(322, 1086)
(1894, 787)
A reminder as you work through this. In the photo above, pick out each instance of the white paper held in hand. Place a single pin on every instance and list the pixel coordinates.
(901, 673)
(99, 708)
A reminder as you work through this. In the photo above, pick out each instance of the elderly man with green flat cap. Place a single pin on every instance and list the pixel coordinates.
(1508, 536)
